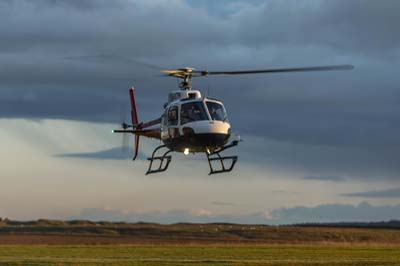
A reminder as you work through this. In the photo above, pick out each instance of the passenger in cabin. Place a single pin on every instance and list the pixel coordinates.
(187, 113)
(213, 113)
(192, 112)
(216, 111)
(173, 116)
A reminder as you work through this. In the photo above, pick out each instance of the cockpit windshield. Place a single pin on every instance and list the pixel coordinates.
(192, 111)
(217, 111)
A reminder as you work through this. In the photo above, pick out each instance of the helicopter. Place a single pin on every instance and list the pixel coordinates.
(191, 123)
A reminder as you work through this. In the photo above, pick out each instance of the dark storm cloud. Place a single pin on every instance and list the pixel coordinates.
(345, 120)
(351, 26)
(128, 27)
(140, 27)
(386, 193)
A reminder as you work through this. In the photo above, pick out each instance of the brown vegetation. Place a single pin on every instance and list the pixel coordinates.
(87, 232)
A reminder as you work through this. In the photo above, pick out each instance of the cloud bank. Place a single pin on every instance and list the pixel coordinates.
(385, 193)
(363, 212)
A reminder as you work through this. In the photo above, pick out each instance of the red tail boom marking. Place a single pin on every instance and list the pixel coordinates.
(135, 119)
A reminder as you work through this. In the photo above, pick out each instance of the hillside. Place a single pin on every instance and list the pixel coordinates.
(87, 232)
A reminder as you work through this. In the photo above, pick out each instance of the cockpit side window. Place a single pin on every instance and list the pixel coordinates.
(164, 118)
(173, 116)
(217, 111)
(193, 111)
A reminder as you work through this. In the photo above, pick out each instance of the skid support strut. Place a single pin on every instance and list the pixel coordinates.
(215, 156)
(164, 160)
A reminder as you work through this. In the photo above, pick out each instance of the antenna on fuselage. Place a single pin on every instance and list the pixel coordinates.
(207, 91)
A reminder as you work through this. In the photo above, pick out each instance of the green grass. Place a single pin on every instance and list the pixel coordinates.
(199, 255)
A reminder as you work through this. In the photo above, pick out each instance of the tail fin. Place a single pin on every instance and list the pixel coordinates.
(134, 114)
(135, 119)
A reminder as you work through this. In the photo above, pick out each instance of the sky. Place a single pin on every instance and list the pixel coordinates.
(318, 147)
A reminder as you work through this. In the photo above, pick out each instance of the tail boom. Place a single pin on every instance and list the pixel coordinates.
(146, 129)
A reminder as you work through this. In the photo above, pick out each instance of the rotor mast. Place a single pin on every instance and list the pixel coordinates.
(186, 83)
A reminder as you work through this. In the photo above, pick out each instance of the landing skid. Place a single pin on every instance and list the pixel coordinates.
(215, 156)
(164, 160)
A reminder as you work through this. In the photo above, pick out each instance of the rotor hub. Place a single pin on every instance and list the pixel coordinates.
(185, 74)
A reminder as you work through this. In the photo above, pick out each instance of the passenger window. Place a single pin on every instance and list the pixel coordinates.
(193, 111)
(173, 116)
(164, 119)
(217, 111)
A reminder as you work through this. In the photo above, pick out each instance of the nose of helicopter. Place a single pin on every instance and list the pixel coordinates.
(211, 127)
(201, 135)
(219, 127)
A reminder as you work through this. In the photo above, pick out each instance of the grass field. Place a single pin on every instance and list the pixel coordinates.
(47, 242)
(199, 255)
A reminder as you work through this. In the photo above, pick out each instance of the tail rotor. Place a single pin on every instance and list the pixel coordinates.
(125, 136)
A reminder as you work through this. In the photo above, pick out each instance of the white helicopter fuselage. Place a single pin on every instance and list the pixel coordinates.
(192, 124)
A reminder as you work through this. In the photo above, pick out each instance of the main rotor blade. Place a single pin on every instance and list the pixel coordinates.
(276, 70)
(112, 58)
